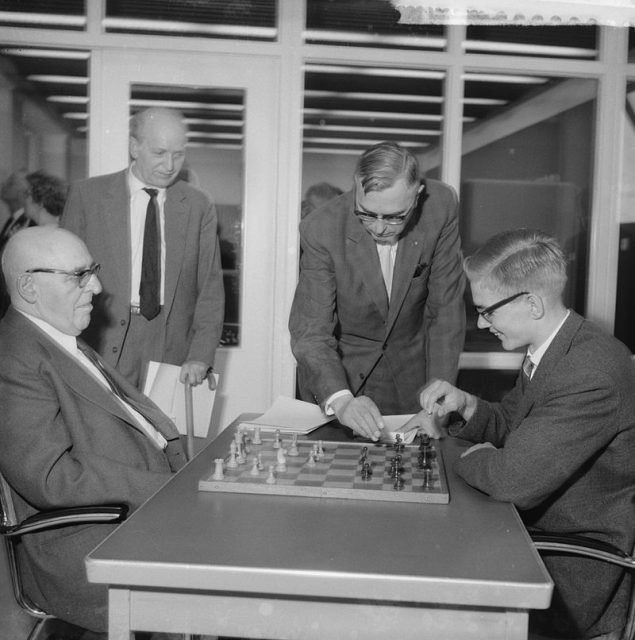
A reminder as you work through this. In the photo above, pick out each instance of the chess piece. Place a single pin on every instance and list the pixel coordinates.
(256, 439)
(281, 464)
(232, 463)
(255, 471)
(427, 478)
(261, 466)
(271, 478)
(293, 449)
(367, 471)
(398, 484)
(241, 458)
(218, 469)
(320, 450)
(311, 459)
(276, 441)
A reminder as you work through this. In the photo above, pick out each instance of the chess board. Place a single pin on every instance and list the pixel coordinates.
(337, 473)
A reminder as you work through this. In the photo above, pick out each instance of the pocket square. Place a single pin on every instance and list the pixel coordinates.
(420, 268)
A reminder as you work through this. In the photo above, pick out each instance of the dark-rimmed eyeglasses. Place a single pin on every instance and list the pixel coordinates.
(82, 275)
(390, 218)
(486, 313)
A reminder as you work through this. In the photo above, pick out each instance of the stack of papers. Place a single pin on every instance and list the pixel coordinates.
(290, 415)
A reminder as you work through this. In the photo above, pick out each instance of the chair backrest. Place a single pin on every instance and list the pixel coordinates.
(8, 518)
(598, 550)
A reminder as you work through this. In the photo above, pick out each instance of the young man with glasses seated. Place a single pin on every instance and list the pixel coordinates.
(378, 309)
(560, 444)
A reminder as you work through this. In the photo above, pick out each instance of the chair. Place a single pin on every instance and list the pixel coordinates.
(12, 530)
(591, 548)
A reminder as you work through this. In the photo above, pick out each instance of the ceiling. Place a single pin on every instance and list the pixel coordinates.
(345, 108)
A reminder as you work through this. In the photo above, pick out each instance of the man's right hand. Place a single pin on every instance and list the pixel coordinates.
(360, 414)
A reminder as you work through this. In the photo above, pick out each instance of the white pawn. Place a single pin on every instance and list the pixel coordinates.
(271, 478)
(257, 439)
(293, 449)
(282, 461)
(218, 469)
(260, 465)
(232, 463)
(276, 442)
(311, 460)
(320, 450)
(254, 467)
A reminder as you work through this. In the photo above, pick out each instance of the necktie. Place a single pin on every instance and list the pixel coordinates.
(385, 261)
(145, 424)
(92, 356)
(149, 289)
(528, 367)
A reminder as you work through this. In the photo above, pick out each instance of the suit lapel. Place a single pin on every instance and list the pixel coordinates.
(365, 257)
(554, 354)
(115, 208)
(177, 220)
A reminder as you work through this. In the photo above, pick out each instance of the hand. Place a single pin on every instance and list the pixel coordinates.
(441, 398)
(360, 414)
(433, 425)
(195, 372)
(476, 447)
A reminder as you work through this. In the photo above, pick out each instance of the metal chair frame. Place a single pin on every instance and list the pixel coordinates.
(11, 530)
(596, 549)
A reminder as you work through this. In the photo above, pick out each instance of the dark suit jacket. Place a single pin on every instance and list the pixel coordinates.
(565, 459)
(66, 441)
(98, 211)
(344, 334)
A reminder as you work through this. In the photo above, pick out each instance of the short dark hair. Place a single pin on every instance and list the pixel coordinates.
(517, 260)
(381, 165)
(48, 191)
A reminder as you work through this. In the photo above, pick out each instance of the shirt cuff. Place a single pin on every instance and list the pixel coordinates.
(328, 409)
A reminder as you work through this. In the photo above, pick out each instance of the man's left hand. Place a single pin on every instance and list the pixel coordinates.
(195, 372)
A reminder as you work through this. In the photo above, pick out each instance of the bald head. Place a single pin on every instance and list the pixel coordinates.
(157, 146)
(56, 297)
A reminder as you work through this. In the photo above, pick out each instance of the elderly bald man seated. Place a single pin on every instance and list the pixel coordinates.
(68, 439)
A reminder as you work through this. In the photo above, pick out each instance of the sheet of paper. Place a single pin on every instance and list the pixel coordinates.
(393, 425)
(162, 386)
(288, 414)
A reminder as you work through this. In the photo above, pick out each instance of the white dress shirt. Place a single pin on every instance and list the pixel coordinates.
(138, 205)
(69, 344)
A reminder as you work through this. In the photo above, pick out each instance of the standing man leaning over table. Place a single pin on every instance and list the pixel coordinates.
(560, 444)
(378, 309)
(157, 238)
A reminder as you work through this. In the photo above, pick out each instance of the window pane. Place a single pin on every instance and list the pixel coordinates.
(347, 109)
(528, 164)
(214, 117)
(50, 14)
(625, 303)
(543, 41)
(375, 23)
(253, 20)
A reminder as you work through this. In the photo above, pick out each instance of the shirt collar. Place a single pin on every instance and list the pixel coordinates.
(537, 355)
(69, 343)
(137, 185)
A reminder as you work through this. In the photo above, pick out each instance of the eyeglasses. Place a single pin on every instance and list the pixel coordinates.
(82, 275)
(487, 313)
(391, 218)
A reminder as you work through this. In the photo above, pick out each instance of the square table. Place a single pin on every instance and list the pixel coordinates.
(307, 568)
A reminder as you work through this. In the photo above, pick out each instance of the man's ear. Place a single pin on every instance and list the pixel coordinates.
(536, 306)
(26, 288)
(133, 147)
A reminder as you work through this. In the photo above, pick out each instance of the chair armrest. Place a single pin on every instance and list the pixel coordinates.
(582, 546)
(64, 517)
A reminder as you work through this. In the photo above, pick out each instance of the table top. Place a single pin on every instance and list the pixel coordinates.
(473, 551)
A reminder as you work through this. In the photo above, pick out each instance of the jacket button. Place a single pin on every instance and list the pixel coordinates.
(122, 323)
(115, 349)
(361, 376)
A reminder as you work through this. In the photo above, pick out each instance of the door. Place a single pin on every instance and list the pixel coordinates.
(232, 107)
